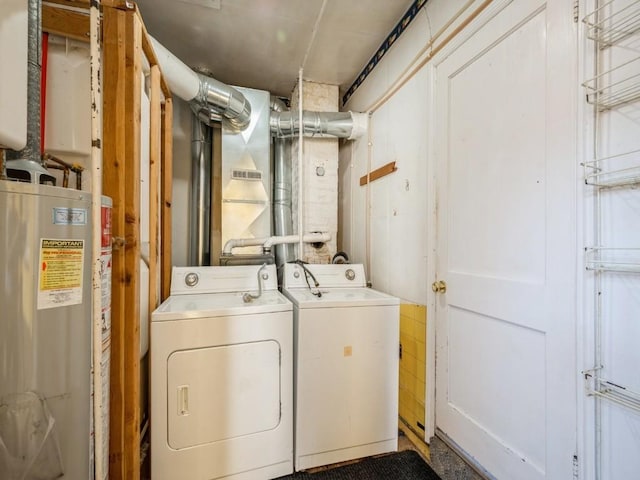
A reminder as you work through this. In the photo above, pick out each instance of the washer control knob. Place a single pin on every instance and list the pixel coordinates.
(191, 279)
(296, 274)
(265, 276)
(350, 274)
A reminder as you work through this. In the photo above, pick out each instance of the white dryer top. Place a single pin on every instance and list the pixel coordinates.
(191, 280)
(211, 305)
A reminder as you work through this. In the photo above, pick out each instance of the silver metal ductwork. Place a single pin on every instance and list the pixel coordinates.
(200, 227)
(319, 124)
(216, 99)
(28, 160)
(210, 99)
(282, 199)
(282, 215)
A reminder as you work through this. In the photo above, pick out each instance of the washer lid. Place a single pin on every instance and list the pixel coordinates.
(178, 307)
(339, 297)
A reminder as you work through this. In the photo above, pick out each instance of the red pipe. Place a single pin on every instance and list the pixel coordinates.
(43, 87)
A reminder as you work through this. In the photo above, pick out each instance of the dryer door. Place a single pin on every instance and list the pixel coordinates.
(222, 392)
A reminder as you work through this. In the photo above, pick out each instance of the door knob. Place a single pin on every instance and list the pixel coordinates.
(439, 287)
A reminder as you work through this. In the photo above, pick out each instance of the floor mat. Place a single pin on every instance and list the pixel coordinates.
(406, 465)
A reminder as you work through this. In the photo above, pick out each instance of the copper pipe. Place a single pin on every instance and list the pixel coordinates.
(59, 164)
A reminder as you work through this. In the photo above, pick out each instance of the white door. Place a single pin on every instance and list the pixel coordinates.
(504, 147)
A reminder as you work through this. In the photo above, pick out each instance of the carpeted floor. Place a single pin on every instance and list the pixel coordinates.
(406, 465)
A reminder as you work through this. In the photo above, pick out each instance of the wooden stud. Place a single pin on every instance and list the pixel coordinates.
(155, 124)
(166, 196)
(114, 186)
(123, 34)
(133, 81)
(68, 23)
(378, 173)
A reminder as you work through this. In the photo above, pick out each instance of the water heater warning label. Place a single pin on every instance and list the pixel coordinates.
(60, 278)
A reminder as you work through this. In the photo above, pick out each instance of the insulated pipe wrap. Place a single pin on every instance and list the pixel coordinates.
(210, 99)
(182, 81)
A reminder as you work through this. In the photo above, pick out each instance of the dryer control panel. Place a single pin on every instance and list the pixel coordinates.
(324, 275)
(188, 280)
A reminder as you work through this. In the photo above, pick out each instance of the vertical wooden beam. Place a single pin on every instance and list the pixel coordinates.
(133, 72)
(123, 48)
(155, 100)
(114, 86)
(166, 194)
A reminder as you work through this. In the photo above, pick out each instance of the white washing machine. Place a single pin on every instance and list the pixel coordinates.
(221, 376)
(346, 340)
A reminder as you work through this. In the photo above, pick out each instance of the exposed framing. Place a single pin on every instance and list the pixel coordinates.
(124, 43)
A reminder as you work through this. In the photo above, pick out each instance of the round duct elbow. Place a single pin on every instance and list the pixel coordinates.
(221, 99)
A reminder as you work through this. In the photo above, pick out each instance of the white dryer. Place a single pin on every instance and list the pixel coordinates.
(221, 376)
(346, 340)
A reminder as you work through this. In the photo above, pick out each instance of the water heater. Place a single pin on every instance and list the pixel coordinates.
(45, 332)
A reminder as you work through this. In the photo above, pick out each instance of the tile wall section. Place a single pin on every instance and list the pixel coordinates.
(413, 324)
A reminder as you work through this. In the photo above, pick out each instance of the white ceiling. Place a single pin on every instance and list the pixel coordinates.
(263, 43)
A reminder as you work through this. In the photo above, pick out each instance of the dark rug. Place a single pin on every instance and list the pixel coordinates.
(405, 465)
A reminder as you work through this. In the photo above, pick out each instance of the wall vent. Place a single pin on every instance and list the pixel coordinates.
(237, 174)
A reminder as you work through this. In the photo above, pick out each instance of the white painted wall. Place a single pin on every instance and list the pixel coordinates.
(385, 227)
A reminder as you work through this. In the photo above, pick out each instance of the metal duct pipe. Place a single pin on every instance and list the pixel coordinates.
(332, 124)
(3, 167)
(31, 151)
(282, 199)
(200, 226)
(210, 99)
(276, 104)
(224, 100)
